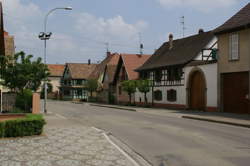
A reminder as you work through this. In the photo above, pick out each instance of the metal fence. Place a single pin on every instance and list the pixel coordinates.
(9, 100)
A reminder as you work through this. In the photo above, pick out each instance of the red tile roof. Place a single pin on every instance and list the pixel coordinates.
(132, 62)
(56, 70)
(80, 70)
(111, 59)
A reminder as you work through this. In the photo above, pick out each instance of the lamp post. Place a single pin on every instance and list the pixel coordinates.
(46, 36)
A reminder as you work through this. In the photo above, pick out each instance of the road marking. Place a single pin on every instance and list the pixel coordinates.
(60, 116)
(117, 147)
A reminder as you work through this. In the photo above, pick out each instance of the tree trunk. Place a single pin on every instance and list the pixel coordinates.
(145, 99)
(129, 99)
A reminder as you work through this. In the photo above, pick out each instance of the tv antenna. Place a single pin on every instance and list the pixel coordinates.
(183, 26)
(140, 42)
(107, 46)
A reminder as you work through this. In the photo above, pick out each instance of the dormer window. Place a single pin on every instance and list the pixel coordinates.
(234, 46)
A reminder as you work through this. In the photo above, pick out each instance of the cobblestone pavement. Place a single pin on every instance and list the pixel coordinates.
(81, 146)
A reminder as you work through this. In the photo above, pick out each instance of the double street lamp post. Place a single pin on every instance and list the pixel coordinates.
(46, 36)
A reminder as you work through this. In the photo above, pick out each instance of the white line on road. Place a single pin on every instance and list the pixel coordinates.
(117, 147)
(60, 116)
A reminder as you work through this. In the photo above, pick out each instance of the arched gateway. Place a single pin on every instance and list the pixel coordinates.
(197, 90)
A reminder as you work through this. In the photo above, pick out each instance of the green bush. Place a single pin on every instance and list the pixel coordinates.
(29, 125)
(24, 100)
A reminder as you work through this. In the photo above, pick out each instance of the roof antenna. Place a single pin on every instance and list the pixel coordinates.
(140, 42)
(183, 26)
(107, 46)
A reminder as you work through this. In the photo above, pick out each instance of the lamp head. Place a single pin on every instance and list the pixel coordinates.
(68, 8)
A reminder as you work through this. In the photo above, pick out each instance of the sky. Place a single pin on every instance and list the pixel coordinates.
(84, 32)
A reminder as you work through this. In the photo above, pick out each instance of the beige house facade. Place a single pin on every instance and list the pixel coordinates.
(234, 63)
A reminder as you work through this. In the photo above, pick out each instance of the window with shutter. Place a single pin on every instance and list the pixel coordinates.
(234, 47)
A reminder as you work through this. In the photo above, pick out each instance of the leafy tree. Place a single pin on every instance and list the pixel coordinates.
(91, 86)
(144, 87)
(130, 87)
(22, 73)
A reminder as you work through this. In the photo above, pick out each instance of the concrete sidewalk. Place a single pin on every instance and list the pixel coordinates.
(64, 143)
(216, 117)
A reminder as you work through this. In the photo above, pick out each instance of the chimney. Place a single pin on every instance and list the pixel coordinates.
(201, 31)
(171, 37)
(109, 54)
(89, 62)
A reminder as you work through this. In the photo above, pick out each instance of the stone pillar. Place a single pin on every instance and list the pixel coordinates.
(36, 103)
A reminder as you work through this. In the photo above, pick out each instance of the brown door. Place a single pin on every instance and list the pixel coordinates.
(235, 92)
(197, 91)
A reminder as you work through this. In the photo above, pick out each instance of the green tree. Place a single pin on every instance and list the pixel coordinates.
(129, 86)
(91, 86)
(22, 73)
(144, 87)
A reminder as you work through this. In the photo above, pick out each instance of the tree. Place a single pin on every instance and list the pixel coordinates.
(91, 86)
(144, 87)
(22, 73)
(130, 87)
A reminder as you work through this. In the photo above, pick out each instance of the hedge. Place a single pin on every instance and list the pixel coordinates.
(29, 125)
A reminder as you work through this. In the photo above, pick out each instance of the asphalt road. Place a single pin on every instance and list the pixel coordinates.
(166, 141)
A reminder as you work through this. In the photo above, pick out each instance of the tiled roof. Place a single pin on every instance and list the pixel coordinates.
(132, 62)
(80, 70)
(238, 21)
(111, 59)
(56, 70)
(182, 52)
(110, 71)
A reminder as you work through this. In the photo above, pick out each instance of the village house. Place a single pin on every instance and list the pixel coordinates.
(104, 73)
(234, 62)
(56, 73)
(126, 71)
(183, 73)
(73, 81)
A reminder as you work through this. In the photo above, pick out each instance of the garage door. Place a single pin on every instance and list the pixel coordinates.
(235, 92)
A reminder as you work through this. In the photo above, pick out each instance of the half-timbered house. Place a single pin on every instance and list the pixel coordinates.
(73, 82)
(183, 73)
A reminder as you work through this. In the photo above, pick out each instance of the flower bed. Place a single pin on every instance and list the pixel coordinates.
(28, 125)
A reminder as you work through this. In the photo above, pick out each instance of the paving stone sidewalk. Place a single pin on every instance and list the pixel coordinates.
(62, 146)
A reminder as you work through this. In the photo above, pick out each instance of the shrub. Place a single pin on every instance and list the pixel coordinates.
(24, 100)
(29, 125)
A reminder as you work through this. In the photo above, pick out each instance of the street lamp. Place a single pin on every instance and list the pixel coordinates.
(46, 36)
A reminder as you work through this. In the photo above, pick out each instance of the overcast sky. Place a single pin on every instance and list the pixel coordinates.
(81, 34)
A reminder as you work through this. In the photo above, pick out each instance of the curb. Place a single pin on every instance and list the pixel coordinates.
(131, 155)
(217, 121)
(113, 107)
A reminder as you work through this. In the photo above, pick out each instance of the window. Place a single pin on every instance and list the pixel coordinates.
(144, 75)
(66, 92)
(158, 75)
(158, 95)
(174, 74)
(78, 82)
(234, 46)
(171, 95)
